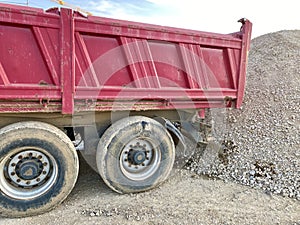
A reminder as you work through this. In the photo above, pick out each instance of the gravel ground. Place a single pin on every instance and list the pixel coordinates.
(260, 143)
(234, 182)
(185, 198)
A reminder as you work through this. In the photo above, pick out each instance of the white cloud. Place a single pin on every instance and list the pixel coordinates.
(220, 15)
(104, 6)
(115, 9)
(215, 15)
(185, 14)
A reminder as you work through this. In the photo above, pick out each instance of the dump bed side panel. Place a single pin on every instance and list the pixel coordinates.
(117, 60)
(29, 59)
(60, 61)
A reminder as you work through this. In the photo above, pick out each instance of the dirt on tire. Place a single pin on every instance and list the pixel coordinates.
(185, 198)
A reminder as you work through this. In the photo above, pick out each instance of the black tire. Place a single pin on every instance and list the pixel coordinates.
(38, 168)
(135, 154)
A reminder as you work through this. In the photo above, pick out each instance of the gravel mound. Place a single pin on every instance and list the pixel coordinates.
(260, 143)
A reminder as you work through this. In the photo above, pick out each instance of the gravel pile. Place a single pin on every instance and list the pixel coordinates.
(260, 143)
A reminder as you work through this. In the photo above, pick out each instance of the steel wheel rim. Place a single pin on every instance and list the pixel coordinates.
(27, 173)
(147, 167)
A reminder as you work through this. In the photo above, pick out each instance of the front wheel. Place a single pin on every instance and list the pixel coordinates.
(38, 168)
(135, 154)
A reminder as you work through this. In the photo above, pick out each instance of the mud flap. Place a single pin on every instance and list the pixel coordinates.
(182, 143)
(177, 136)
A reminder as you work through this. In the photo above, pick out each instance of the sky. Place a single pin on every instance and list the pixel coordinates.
(219, 16)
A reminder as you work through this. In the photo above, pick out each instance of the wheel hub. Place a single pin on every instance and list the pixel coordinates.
(28, 168)
(139, 159)
(136, 157)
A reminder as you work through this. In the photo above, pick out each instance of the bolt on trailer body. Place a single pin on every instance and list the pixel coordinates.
(131, 97)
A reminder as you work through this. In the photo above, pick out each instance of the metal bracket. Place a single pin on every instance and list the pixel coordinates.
(174, 131)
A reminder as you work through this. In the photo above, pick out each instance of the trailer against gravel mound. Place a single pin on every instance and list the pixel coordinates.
(127, 95)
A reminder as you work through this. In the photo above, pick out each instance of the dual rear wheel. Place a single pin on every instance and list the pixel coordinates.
(39, 164)
(38, 168)
(135, 154)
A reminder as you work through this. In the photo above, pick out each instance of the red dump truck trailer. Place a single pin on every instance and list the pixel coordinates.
(129, 96)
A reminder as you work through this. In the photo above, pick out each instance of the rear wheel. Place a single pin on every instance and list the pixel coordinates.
(38, 168)
(135, 154)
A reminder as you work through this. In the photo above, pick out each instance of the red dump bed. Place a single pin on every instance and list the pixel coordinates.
(61, 61)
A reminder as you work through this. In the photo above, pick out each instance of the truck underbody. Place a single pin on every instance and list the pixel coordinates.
(131, 97)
